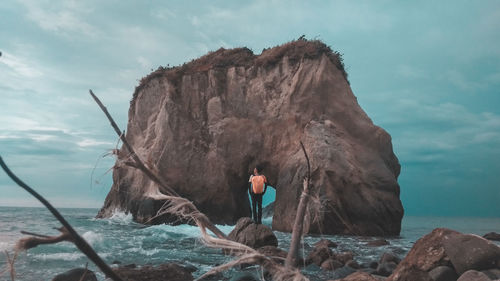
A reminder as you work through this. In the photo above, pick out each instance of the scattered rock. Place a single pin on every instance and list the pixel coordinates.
(427, 253)
(343, 272)
(373, 265)
(326, 243)
(377, 243)
(493, 274)
(275, 253)
(164, 272)
(386, 268)
(344, 257)
(358, 276)
(116, 262)
(353, 264)
(331, 264)
(253, 235)
(76, 274)
(492, 236)
(467, 251)
(389, 257)
(318, 255)
(473, 275)
(443, 273)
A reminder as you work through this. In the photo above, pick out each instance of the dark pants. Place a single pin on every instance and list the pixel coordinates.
(257, 207)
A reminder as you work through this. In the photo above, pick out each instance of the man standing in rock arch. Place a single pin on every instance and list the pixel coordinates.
(257, 186)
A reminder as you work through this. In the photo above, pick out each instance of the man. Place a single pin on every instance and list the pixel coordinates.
(257, 187)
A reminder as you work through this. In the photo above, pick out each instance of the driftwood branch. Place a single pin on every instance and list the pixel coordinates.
(298, 226)
(79, 242)
(139, 164)
(37, 239)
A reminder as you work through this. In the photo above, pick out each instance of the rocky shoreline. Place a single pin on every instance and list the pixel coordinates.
(441, 255)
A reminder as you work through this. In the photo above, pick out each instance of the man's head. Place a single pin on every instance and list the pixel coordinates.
(258, 169)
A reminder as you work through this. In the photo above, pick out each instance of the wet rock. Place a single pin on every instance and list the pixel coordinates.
(386, 268)
(326, 243)
(246, 276)
(200, 125)
(318, 255)
(473, 275)
(164, 272)
(278, 255)
(253, 235)
(331, 264)
(116, 262)
(467, 251)
(443, 273)
(377, 243)
(343, 257)
(389, 257)
(492, 236)
(373, 265)
(369, 270)
(426, 254)
(76, 274)
(353, 264)
(493, 274)
(358, 276)
(343, 272)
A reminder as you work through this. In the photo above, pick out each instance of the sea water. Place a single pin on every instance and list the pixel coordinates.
(119, 240)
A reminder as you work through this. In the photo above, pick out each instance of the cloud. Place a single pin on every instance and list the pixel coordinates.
(92, 142)
(65, 19)
(20, 66)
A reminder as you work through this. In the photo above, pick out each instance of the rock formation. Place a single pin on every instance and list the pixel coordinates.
(204, 126)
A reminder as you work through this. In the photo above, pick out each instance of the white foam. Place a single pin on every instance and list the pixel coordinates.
(144, 252)
(92, 238)
(121, 217)
(4, 246)
(59, 256)
(186, 230)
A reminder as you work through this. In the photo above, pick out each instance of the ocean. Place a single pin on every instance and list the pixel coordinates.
(119, 239)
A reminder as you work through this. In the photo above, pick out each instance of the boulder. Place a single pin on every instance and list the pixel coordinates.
(353, 264)
(493, 274)
(326, 243)
(473, 275)
(253, 235)
(389, 257)
(377, 243)
(76, 274)
(426, 254)
(492, 236)
(344, 257)
(318, 255)
(443, 273)
(164, 272)
(331, 264)
(203, 127)
(467, 251)
(358, 276)
(278, 255)
(343, 272)
(386, 268)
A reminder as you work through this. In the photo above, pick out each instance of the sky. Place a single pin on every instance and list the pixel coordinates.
(428, 72)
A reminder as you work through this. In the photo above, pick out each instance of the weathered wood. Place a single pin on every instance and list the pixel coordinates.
(298, 226)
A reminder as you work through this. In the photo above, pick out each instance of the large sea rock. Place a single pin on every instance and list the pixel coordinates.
(204, 126)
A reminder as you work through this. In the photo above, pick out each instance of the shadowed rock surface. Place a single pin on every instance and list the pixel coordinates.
(253, 235)
(166, 272)
(204, 126)
(76, 274)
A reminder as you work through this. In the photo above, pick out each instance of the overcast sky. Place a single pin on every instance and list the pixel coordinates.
(427, 72)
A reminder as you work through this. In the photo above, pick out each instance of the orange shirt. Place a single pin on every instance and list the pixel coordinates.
(258, 184)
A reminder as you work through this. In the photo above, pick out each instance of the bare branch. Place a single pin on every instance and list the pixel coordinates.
(32, 242)
(80, 243)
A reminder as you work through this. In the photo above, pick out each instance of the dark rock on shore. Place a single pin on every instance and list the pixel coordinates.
(467, 251)
(326, 243)
(386, 268)
(492, 236)
(443, 273)
(377, 243)
(445, 254)
(473, 275)
(389, 257)
(318, 255)
(164, 272)
(77, 274)
(206, 124)
(358, 276)
(275, 253)
(253, 235)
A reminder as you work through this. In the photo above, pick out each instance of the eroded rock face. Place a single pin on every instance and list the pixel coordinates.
(253, 235)
(205, 125)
